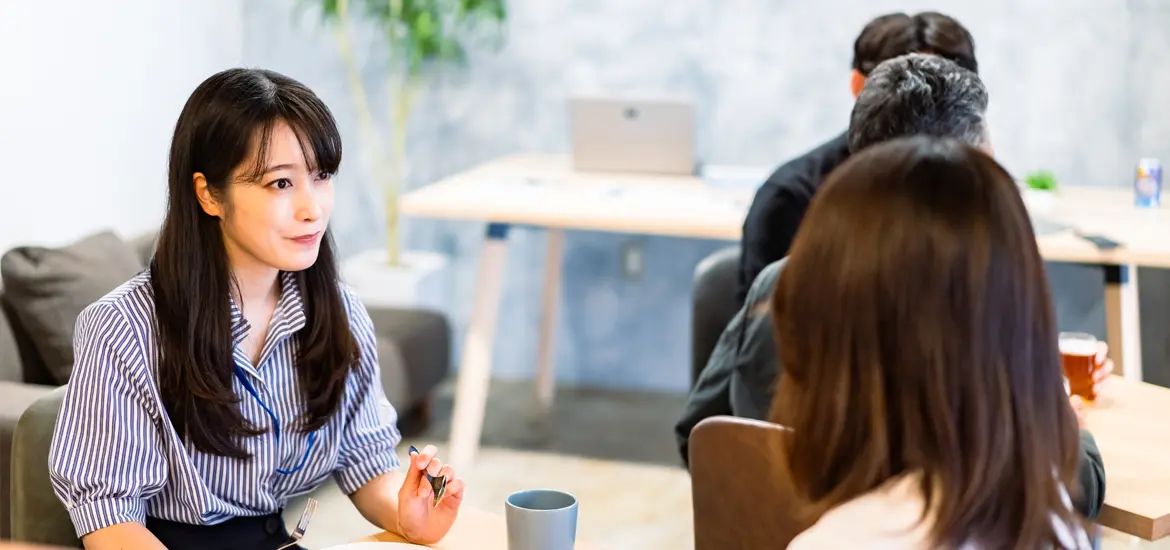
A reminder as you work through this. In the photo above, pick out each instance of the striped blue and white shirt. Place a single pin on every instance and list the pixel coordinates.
(116, 458)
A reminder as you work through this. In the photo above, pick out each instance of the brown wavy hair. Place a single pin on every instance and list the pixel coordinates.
(917, 332)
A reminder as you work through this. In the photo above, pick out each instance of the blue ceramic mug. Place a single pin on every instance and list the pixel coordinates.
(541, 519)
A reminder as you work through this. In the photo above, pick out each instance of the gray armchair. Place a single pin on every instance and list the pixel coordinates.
(37, 515)
(713, 304)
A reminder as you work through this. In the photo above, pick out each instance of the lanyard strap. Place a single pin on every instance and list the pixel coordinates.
(275, 423)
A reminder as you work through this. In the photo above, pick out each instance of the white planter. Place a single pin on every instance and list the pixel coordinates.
(1039, 203)
(414, 282)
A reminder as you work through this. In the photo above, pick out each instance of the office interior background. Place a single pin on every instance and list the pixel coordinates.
(91, 91)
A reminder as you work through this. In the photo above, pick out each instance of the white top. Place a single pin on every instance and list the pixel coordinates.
(887, 519)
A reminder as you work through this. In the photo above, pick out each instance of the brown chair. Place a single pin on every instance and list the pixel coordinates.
(741, 498)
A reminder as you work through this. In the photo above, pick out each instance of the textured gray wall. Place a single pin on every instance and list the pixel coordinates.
(1077, 87)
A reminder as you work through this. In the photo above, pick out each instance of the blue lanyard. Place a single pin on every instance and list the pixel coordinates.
(276, 424)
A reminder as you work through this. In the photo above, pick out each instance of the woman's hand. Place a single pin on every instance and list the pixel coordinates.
(419, 519)
(1101, 374)
(1104, 368)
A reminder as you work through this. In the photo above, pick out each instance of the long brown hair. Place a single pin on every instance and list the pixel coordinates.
(917, 332)
(227, 117)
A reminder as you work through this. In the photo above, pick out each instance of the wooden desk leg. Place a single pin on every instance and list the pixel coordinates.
(1122, 321)
(475, 365)
(549, 308)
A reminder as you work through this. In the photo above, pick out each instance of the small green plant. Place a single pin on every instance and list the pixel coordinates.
(1041, 180)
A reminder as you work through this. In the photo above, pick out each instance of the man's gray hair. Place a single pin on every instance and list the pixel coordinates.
(919, 94)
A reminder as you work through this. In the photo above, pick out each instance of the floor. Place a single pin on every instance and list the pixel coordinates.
(608, 518)
(625, 426)
(633, 493)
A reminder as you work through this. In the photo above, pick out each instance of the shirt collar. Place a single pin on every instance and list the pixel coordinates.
(288, 318)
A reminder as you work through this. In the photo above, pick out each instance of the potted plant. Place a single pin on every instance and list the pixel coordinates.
(421, 36)
(1039, 191)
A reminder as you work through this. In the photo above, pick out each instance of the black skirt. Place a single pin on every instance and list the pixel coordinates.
(242, 533)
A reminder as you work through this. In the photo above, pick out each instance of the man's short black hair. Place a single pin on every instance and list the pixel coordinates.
(919, 94)
(896, 34)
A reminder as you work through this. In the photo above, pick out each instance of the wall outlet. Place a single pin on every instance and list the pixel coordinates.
(633, 261)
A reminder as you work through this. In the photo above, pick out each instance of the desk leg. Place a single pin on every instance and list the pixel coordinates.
(475, 366)
(549, 307)
(1122, 322)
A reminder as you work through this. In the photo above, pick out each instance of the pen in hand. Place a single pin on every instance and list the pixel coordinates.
(438, 483)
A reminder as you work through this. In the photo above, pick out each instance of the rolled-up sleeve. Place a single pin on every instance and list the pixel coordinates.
(369, 435)
(106, 459)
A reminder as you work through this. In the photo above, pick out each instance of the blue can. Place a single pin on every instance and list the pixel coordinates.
(1147, 185)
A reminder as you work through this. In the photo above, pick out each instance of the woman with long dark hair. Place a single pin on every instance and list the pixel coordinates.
(922, 381)
(236, 372)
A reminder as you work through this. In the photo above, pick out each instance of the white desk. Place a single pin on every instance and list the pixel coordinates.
(543, 191)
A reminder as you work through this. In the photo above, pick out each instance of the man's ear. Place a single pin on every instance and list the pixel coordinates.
(856, 82)
(206, 200)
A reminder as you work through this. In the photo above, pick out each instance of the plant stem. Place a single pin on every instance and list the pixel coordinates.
(403, 90)
(371, 138)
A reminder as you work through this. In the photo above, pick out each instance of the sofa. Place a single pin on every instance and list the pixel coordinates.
(44, 289)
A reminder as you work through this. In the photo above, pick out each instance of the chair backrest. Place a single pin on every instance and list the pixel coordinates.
(741, 499)
(713, 304)
(37, 515)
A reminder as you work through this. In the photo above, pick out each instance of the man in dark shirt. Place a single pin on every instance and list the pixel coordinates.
(780, 203)
(908, 95)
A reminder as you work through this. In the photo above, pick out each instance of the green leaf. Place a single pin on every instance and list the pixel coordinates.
(427, 32)
(425, 25)
(1041, 180)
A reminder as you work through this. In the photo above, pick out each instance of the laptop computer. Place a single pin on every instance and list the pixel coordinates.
(652, 136)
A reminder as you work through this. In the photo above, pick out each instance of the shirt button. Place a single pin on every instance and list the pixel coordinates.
(272, 526)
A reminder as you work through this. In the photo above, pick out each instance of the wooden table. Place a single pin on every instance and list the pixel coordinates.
(544, 191)
(474, 530)
(1128, 422)
(1145, 234)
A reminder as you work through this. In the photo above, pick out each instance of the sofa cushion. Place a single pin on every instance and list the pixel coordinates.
(48, 287)
(10, 364)
(144, 246)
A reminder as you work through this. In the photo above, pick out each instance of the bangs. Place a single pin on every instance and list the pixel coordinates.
(314, 126)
